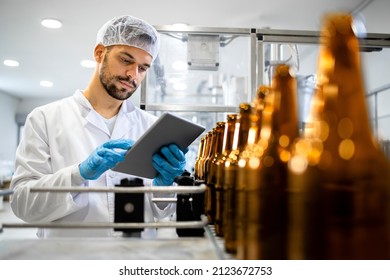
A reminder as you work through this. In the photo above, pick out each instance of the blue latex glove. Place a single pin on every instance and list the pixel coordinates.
(169, 163)
(104, 157)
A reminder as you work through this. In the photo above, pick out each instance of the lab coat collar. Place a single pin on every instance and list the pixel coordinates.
(125, 120)
(122, 124)
(89, 114)
(82, 100)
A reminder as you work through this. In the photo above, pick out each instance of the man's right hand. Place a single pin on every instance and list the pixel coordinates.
(104, 157)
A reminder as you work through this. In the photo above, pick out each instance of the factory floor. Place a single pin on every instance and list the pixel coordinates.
(13, 242)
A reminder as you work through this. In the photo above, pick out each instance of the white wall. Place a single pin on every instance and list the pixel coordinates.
(8, 127)
(9, 107)
(26, 105)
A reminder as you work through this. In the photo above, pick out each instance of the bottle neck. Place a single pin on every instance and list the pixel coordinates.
(228, 135)
(219, 139)
(341, 85)
(280, 117)
(242, 127)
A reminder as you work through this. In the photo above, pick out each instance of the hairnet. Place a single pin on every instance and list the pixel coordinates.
(130, 31)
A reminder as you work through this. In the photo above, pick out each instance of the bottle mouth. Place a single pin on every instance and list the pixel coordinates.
(359, 26)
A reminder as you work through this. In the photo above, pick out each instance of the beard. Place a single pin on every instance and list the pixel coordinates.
(109, 83)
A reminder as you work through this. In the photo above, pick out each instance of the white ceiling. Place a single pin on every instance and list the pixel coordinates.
(55, 55)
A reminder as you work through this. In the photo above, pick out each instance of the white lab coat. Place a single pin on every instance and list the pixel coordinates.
(57, 138)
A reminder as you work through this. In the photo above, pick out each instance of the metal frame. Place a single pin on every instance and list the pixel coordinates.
(256, 68)
(163, 29)
(203, 223)
(189, 224)
(372, 40)
(159, 189)
(313, 37)
(375, 93)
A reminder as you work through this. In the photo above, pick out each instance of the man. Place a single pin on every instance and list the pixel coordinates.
(77, 140)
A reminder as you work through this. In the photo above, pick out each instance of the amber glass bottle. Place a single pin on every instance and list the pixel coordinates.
(206, 168)
(199, 158)
(258, 103)
(341, 182)
(210, 151)
(248, 151)
(264, 173)
(219, 177)
(202, 168)
(212, 174)
(240, 138)
(206, 148)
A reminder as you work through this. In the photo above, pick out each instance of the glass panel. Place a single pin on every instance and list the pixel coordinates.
(179, 78)
(303, 59)
(202, 70)
(217, 75)
(378, 90)
(381, 121)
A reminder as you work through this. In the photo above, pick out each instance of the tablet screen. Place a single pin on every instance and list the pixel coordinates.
(168, 129)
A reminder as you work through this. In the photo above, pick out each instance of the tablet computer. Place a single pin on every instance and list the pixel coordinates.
(168, 129)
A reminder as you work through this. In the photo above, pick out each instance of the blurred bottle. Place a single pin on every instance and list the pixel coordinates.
(200, 166)
(197, 173)
(226, 148)
(209, 210)
(263, 173)
(211, 151)
(215, 159)
(258, 103)
(340, 183)
(207, 139)
(240, 138)
(248, 151)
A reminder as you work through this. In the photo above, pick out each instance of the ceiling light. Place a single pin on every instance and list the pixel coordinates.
(12, 63)
(46, 84)
(51, 23)
(88, 63)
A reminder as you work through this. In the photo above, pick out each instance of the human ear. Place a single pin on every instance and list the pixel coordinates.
(99, 53)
